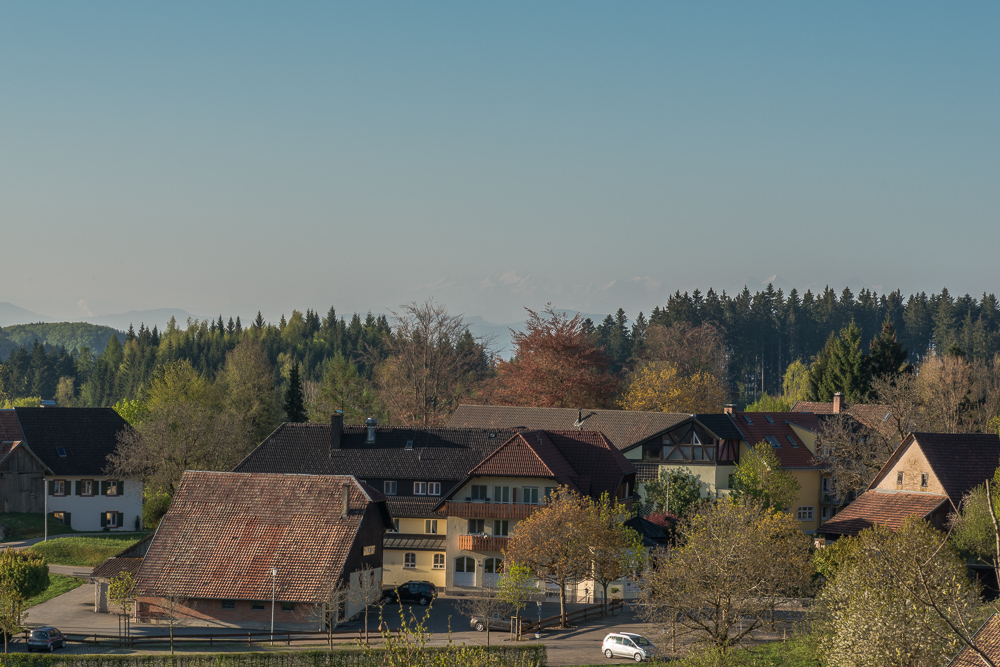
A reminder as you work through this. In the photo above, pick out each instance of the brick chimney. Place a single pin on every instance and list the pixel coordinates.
(729, 408)
(336, 429)
(838, 403)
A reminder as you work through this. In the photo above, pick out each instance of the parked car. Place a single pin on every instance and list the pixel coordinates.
(628, 645)
(46, 639)
(495, 622)
(421, 592)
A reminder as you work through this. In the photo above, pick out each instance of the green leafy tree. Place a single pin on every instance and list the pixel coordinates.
(760, 477)
(616, 550)
(295, 408)
(516, 587)
(677, 491)
(795, 383)
(23, 575)
(131, 410)
(343, 388)
(247, 384)
(769, 403)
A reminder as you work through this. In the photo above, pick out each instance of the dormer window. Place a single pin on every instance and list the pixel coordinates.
(409, 444)
(420, 488)
(389, 487)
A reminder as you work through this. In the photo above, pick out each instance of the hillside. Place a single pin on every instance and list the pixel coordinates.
(71, 335)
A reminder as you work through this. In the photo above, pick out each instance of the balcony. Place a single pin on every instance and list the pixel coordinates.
(473, 510)
(482, 543)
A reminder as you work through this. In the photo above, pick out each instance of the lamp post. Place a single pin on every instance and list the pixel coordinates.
(274, 584)
(538, 630)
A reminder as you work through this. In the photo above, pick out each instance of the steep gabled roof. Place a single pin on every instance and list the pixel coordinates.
(792, 452)
(720, 424)
(225, 531)
(437, 454)
(10, 430)
(623, 428)
(87, 435)
(8, 448)
(126, 560)
(987, 639)
(884, 508)
(873, 415)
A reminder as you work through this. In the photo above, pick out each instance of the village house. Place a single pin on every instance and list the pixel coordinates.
(927, 477)
(414, 468)
(513, 482)
(54, 460)
(235, 546)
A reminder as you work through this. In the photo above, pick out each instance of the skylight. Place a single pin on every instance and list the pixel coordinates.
(747, 418)
(61, 451)
(770, 419)
(792, 440)
(773, 441)
(409, 444)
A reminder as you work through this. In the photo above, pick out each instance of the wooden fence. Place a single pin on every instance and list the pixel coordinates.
(585, 614)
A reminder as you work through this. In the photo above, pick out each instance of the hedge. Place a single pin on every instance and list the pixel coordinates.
(466, 656)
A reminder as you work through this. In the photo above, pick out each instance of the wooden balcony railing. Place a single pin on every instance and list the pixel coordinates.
(482, 543)
(490, 510)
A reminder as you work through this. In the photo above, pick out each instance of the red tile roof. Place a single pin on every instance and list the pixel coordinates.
(10, 429)
(885, 508)
(225, 531)
(524, 455)
(987, 639)
(791, 455)
(872, 415)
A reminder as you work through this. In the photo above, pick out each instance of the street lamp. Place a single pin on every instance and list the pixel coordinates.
(274, 582)
(538, 630)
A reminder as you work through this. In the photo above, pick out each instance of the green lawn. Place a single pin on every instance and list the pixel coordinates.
(85, 550)
(58, 584)
(24, 526)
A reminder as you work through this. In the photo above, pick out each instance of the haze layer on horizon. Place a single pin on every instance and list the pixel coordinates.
(241, 156)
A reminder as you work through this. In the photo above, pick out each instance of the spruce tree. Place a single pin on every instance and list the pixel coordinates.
(886, 357)
(295, 409)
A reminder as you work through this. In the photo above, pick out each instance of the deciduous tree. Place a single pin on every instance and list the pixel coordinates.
(616, 550)
(760, 477)
(555, 365)
(676, 491)
(659, 387)
(248, 389)
(732, 563)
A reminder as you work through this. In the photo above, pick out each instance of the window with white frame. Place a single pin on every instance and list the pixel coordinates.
(805, 513)
(478, 492)
(389, 487)
(420, 488)
(409, 560)
(434, 489)
(438, 561)
(111, 488)
(57, 487)
(530, 495)
(431, 526)
(86, 487)
(501, 494)
(501, 527)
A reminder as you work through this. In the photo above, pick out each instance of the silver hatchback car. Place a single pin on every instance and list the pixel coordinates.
(628, 645)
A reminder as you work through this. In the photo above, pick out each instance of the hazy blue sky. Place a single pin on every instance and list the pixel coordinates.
(225, 157)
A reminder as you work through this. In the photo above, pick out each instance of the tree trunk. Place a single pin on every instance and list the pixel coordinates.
(562, 604)
(604, 601)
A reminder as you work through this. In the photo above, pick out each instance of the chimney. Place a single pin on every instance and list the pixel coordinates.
(345, 497)
(371, 423)
(336, 429)
(838, 403)
(729, 408)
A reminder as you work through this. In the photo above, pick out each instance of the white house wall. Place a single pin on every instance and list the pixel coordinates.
(86, 511)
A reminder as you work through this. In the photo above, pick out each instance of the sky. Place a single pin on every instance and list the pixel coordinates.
(230, 157)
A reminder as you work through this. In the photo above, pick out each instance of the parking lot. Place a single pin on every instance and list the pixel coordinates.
(446, 620)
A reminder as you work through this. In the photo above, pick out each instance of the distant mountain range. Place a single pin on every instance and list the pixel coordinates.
(11, 314)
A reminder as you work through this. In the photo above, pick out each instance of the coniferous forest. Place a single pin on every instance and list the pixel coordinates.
(760, 333)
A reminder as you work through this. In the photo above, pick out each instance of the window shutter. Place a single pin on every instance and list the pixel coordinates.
(67, 520)
(76, 485)
(121, 519)
(121, 487)
(52, 487)
(104, 519)
(104, 487)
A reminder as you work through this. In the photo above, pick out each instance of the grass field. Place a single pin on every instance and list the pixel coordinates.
(85, 550)
(58, 584)
(24, 526)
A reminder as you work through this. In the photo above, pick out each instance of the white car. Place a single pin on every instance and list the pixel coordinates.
(628, 645)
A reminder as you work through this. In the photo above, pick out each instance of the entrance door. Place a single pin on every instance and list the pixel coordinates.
(492, 569)
(465, 571)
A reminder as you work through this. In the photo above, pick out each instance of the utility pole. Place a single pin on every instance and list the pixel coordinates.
(274, 583)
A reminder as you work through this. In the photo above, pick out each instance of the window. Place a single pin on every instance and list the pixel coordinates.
(477, 492)
(773, 441)
(477, 526)
(805, 514)
(61, 452)
(501, 527)
(747, 419)
(530, 495)
(549, 491)
(493, 566)
(465, 564)
(434, 488)
(57, 487)
(826, 513)
(501, 494)
(389, 487)
(694, 438)
(791, 441)
(229, 604)
(112, 488)
(257, 605)
(826, 485)
(899, 478)
(923, 480)
(111, 520)
(431, 526)
(409, 560)
(420, 488)
(438, 561)
(287, 606)
(86, 487)
(769, 418)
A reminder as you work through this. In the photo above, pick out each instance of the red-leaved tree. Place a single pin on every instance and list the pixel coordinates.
(555, 365)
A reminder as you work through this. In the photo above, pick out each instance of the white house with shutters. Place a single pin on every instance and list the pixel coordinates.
(74, 444)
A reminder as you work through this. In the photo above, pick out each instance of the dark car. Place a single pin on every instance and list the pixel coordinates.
(46, 639)
(479, 622)
(421, 592)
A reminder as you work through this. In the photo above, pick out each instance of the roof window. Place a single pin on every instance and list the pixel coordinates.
(792, 441)
(769, 418)
(747, 418)
(61, 451)
(773, 441)
(409, 444)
